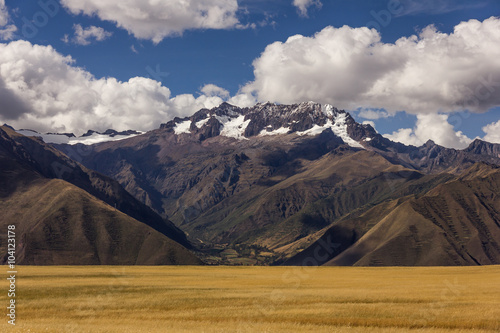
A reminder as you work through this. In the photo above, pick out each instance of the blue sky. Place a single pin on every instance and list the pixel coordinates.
(222, 50)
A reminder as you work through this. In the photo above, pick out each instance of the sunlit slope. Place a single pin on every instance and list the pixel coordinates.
(58, 223)
(455, 223)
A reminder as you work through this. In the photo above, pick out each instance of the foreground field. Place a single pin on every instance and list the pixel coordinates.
(255, 299)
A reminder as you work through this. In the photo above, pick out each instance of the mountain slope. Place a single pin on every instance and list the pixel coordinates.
(60, 223)
(51, 163)
(455, 223)
(324, 190)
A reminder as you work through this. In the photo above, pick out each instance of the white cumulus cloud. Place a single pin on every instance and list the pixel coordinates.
(44, 90)
(84, 36)
(6, 30)
(217, 93)
(492, 132)
(158, 19)
(243, 100)
(303, 5)
(433, 127)
(351, 68)
(213, 90)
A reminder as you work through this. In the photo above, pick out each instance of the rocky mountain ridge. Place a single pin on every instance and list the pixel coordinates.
(270, 119)
(311, 119)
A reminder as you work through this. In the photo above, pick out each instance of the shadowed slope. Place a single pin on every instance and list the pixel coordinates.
(51, 163)
(60, 223)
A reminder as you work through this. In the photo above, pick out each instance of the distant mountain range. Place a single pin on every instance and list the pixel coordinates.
(302, 184)
(89, 138)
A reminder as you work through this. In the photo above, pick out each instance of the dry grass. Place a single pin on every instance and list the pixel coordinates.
(256, 299)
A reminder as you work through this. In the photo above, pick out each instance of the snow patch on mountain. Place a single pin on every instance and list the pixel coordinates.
(316, 129)
(339, 128)
(202, 122)
(328, 110)
(183, 127)
(279, 131)
(98, 138)
(234, 127)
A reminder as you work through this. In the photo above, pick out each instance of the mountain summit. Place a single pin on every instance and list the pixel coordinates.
(305, 119)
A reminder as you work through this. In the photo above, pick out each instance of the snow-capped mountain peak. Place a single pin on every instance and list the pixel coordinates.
(268, 119)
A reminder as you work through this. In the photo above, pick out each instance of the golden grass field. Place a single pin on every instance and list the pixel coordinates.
(255, 299)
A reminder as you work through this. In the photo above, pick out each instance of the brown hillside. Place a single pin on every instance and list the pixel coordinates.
(456, 223)
(59, 223)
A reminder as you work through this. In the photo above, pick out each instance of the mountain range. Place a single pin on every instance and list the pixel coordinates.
(89, 138)
(301, 184)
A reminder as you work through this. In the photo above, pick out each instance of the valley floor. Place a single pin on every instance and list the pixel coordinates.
(254, 299)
